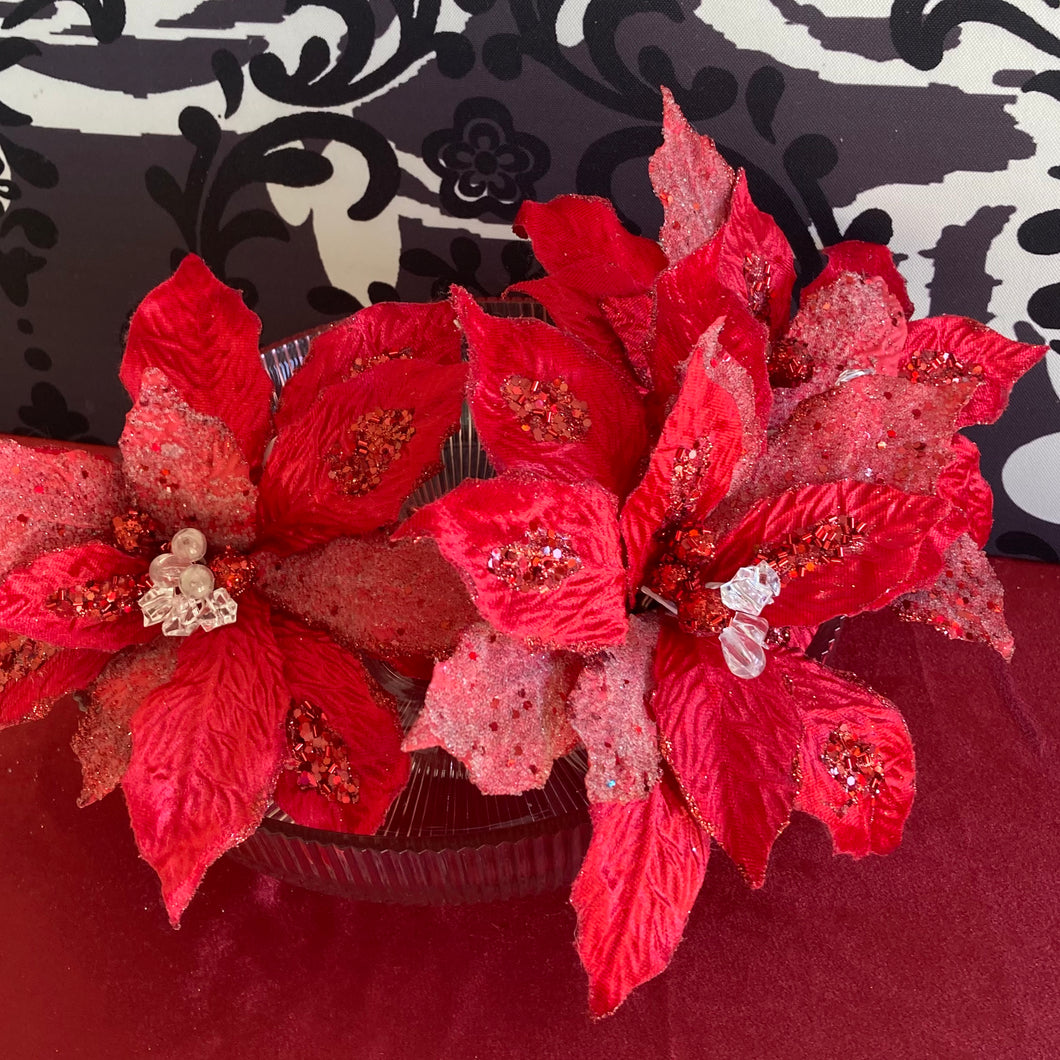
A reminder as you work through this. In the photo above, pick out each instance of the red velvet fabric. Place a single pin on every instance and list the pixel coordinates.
(945, 949)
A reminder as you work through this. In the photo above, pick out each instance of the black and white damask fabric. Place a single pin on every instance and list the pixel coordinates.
(325, 155)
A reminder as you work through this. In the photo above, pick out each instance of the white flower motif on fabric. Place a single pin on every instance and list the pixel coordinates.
(182, 597)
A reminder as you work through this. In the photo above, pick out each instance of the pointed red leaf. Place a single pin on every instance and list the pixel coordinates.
(28, 605)
(639, 880)
(544, 403)
(377, 333)
(347, 465)
(207, 748)
(965, 602)
(53, 499)
(103, 741)
(977, 354)
(34, 676)
(409, 599)
(856, 760)
(691, 180)
(186, 468)
(495, 531)
(880, 543)
(865, 259)
(321, 673)
(733, 745)
(963, 486)
(500, 709)
(691, 465)
(205, 340)
(608, 710)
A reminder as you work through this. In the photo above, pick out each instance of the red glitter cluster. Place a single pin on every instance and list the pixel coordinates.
(363, 363)
(804, 551)
(233, 571)
(105, 599)
(20, 656)
(373, 442)
(537, 565)
(789, 363)
(319, 755)
(855, 765)
(756, 274)
(678, 577)
(548, 411)
(137, 533)
(939, 366)
(686, 480)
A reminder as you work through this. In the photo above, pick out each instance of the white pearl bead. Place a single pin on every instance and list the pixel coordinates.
(165, 570)
(196, 581)
(188, 544)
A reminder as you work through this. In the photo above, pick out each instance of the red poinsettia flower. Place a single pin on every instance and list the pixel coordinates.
(765, 475)
(172, 579)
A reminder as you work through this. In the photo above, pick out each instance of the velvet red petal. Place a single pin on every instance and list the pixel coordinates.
(961, 484)
(500, 709)
(1000, 360)
(901, 547)
(965, 602)
(303, 502)
(584, 609)
(378, 333)
(580, 241)
(691, 180)
(608, 710)
(32, 696)
(733, 745)
(186, 468)
(207, 748)
(691, 465)
(864, 259)
(205, 340)
(408, 598)
(504, 349)
(103, 741)
(838, 713)
(52, 499)
(24, 597)
(319, 672)
(639, 880)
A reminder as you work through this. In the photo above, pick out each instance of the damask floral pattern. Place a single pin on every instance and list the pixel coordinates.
(327, 154)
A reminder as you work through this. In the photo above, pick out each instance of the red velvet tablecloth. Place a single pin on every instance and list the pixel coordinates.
(948, 948)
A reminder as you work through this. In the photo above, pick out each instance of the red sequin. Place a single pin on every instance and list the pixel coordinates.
(360, 364)
(789, 363)
(686, 480)
(233, 571)
(756, 274)
(538, 564)
(20, 656)
(319, 755)
(855, 765)
(700, 610)
(373, 442)
(804, 551)
(104, 599)
(547, 411)
(137, 533)
(939, 366)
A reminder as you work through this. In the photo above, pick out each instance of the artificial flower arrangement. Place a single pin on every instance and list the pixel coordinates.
(689, 482)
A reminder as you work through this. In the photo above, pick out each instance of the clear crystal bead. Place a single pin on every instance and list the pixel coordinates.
(183, 618)
(188, 544)
(743, 645)
(166, 569)
(218, 609)
(156, 604)
(751, 589)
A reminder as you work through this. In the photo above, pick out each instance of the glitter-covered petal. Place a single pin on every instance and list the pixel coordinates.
(571, 597)
(963, 486)
(386, 332)
(856, 758)
(608, 710)
(408, 599)
(976, 354)
(207, 748)
(53, 498)
(691, 465)
(348, 463)
(500, 709)
(640, 877)
(965, 603)
(321, 673)
(732, 743)
(545, 403)
(840, 548)
(83, 597)
(103, 741)
(691, 180)
(864, 259)
(186, 468)
(33, 675)
(205, 340)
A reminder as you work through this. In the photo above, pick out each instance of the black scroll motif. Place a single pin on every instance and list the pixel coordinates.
(920, 39)
(105, 17)
(357, 71)
(265, 156)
